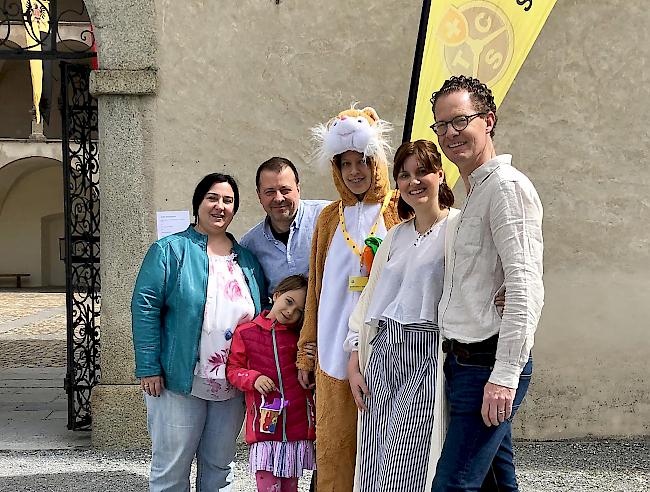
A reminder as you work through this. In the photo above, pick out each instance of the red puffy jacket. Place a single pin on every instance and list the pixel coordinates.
(265, 347)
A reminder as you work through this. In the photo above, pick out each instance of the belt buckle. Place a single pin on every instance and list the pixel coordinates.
(456, 348)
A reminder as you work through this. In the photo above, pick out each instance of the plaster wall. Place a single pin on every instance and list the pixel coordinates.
(575, 122)
(228, 100)
(238, 82)
(34, 196)
(52, 265)
(12, 150)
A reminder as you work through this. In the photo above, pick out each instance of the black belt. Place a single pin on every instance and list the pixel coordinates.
(464, 350)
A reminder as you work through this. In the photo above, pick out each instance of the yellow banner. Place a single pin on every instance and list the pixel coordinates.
(488, 40)
(37, 27)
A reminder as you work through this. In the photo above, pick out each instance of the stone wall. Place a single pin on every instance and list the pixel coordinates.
(125, 86)
(188, 88)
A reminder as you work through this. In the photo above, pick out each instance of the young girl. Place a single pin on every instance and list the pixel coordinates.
(280, 425)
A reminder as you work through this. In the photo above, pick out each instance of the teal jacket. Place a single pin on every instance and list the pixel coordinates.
(168, 304)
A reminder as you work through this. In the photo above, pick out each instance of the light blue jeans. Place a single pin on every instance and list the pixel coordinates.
(182, 427)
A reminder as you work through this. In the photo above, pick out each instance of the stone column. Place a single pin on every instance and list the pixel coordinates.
(37, 129)
(125, 112)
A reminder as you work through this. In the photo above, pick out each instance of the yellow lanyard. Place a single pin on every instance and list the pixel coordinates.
(346, 235)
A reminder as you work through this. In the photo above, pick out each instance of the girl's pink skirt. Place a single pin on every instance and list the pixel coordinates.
(283, 459)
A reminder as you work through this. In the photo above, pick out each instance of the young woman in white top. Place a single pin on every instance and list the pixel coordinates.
(396, 384)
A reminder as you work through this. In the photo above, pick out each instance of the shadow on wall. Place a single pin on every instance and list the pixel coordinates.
(15, 99)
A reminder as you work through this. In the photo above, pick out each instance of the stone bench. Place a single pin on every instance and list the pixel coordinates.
(17, 276)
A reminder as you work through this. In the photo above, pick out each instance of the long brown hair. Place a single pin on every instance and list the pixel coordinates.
(426, 153)
(292, 282)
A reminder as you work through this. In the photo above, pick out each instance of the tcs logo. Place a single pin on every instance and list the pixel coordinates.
(477, 40)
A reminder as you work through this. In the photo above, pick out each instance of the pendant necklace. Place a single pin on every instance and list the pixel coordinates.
(420, 236)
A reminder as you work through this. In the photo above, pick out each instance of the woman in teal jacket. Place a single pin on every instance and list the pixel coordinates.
(193, 289)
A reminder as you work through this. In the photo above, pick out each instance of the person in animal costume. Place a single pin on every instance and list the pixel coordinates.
(347, 233)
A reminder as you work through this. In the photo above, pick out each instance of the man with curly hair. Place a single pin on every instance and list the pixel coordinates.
(497, 245)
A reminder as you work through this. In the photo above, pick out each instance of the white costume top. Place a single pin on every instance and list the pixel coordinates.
(336, 300)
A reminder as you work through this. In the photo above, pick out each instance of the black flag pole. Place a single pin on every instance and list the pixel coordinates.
(415, 75)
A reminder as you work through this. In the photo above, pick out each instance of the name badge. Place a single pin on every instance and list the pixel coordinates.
(356, 284)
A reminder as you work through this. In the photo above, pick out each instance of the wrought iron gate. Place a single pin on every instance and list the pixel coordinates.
(37, 23)
(83, 286)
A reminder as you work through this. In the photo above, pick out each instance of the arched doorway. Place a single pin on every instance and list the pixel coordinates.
(55, 39)
(31, 219)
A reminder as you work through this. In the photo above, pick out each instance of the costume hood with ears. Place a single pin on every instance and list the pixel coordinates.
(363, 131)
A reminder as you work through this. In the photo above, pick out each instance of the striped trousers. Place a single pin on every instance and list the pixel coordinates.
(396, 430)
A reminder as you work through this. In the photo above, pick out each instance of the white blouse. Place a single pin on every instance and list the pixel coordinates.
(411, 281)
(361, 333)
(227, 305)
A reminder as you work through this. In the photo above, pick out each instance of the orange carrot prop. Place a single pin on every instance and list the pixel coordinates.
(368, 254)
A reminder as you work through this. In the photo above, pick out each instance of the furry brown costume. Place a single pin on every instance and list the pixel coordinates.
(336, 412)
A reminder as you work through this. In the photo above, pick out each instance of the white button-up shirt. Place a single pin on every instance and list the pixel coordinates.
(497, 243)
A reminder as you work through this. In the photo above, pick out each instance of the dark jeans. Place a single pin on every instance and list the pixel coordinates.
(472, 451)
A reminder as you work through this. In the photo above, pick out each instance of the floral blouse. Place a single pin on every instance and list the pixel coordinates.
(227, 305)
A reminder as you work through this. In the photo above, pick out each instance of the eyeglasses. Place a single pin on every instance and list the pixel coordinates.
(459, 123)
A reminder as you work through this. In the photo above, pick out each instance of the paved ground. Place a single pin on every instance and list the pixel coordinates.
(38, 453)
(612, 466)
(33, 403)
(33, 410)
(32, 328)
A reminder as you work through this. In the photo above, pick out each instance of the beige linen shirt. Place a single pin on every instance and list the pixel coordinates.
(497, 243)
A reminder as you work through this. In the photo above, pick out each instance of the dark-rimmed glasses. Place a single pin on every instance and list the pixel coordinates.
(459, 123)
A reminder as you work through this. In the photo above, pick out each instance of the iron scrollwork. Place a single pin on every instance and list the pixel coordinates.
(43, 25)
(81, 183)
(36, 30)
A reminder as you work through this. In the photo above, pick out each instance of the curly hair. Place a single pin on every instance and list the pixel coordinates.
(479, 93)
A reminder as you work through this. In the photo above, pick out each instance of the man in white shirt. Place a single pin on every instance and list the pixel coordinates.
(498, 245)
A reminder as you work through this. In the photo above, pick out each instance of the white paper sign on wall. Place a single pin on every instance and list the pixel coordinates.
(169, 222)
